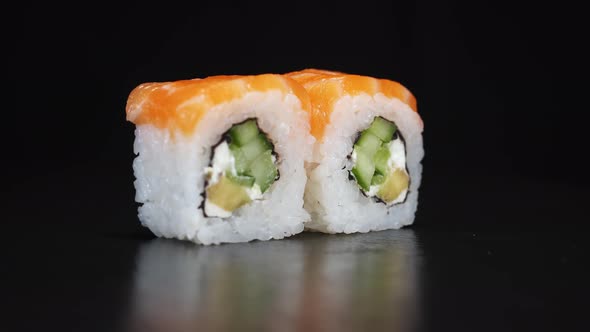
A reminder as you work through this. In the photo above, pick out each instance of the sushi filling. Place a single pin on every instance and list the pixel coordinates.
(379, 163)
(242, 168)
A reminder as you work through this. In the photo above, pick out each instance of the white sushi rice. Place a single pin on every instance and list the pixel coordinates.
(335, 202)
(169, 170)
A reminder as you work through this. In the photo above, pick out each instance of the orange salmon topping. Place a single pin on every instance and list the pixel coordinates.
(182, 104)
(326, 87)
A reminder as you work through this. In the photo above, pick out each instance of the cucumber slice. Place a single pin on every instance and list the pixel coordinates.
(369, 143)
(255, 147)
(377, 179)
(241, 162)
(363, 169)
(244, 132)
(383, 129)
(242, 180)
(227, 195)
(380, 159)
(263, 170)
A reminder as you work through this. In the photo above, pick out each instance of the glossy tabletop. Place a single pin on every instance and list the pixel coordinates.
(80, 261)
(405, 280)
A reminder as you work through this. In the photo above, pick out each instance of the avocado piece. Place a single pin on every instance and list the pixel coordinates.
(227, 194)
(394, 185)
(383, 129)
(369, 143)
(380, 159)
(243, 133)
(263, 170)
(363, 169)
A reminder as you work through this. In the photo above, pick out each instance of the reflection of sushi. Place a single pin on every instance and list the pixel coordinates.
(313, 283)
(180, 287)
(221, 159)
(358, 281)
(366, 164)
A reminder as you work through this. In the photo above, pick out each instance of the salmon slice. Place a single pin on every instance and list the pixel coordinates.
(180, 105)
(326, 87)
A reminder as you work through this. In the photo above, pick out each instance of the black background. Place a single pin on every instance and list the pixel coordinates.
(499, 86)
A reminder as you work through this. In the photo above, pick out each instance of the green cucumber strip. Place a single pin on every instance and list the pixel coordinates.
(380, 159)
(363, 169)
(242, 180)
(377, 179)
(244, 132)
(255, 147)
(263, 170)
(383, 129)
(241, 162)
(369, 143)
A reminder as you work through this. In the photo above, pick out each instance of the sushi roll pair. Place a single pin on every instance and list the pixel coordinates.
(241, 158)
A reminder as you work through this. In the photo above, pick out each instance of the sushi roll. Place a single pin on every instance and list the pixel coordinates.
(366, 165)
(221, 159)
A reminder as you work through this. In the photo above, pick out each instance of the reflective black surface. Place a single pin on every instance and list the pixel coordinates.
(415, 279)
(78, 260)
